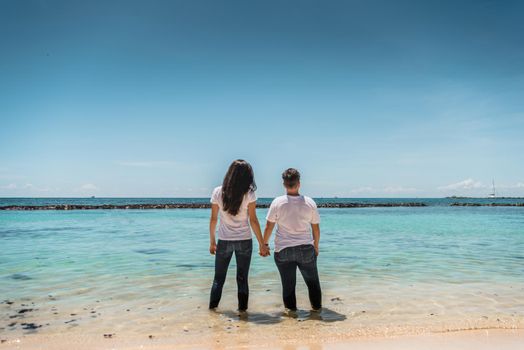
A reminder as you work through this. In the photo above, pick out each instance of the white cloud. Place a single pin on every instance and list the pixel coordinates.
(520, 185)
(87, 188)
(364, 190)
(9, 187)
(467, 184)
(388, 190)
(35, 188)
(148, 164)
(399, 189)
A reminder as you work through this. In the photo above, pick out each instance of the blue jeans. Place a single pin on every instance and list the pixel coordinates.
(225, 249)
(303, 257)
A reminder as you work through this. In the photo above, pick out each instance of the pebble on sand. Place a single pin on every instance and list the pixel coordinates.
(30, 326)
(23, 311)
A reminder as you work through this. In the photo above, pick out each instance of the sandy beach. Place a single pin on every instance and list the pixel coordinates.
(477, 339)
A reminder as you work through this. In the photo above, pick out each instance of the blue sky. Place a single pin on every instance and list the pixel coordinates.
(366, 98)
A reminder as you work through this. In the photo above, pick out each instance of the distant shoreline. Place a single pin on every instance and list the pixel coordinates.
(460, 197)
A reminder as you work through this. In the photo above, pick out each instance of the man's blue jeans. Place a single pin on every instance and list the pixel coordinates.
(303, 257)
(225, 249)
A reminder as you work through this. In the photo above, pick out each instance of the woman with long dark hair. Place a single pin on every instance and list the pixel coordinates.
(235, 204)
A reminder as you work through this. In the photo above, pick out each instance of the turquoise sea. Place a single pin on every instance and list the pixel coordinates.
(399, 270)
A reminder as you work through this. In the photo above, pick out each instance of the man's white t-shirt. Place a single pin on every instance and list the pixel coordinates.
(293, 216)
(233, 228)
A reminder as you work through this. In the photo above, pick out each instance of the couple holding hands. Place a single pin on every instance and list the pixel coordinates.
(296, 241)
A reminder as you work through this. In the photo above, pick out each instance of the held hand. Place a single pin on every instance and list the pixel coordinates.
(316, 250)
(212, 248)
(264, 250)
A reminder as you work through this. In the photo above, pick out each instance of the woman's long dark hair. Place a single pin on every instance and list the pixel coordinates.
(238, 181)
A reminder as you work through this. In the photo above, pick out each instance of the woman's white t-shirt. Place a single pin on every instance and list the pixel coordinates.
(233, 228)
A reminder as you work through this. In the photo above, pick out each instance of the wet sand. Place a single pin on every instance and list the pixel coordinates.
(477, 339)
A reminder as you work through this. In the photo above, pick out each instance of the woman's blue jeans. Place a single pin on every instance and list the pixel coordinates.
(225, 249)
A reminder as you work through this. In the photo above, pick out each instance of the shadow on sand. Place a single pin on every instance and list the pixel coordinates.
(254, 317)
(326, 315)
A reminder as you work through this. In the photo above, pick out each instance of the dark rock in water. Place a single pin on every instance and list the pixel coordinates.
(30, 326)
(70, 321)
(23, 311)
(12, 324)
(187, 266)
(8, 302)
(20, 277)
(459, 204)
(152, 251)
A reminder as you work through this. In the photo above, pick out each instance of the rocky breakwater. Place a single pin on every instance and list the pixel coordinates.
(457, 204)
(369, 205)
(193, 206)
(107, 206)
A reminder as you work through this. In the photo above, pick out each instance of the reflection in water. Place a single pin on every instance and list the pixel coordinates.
(326, 315)
(253, 317)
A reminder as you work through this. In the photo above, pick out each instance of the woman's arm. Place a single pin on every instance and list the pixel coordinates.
(316, 236)
(255, 225)
(212, 228)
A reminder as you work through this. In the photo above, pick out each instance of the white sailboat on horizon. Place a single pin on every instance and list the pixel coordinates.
(493, 194)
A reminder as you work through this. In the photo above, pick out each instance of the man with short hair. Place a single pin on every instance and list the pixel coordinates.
(296, 240)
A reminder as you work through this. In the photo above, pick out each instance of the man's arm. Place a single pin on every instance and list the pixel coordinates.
(267, 233)
(316, 236)
(212, 228)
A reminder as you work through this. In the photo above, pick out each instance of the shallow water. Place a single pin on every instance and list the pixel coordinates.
(383, 271)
